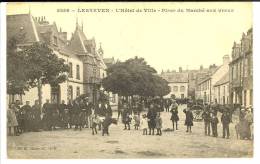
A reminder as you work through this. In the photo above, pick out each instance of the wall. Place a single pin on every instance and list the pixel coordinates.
(178, 93)
(220, 91)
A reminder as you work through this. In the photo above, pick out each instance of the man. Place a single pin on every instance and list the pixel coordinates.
(119, 108)
(47, 114)
(70, 113)
(88, 107)
(28, 116)
(151, 116)
(206, 117)
(126, 116)
(174, 117)
(36, 113)
(167, 105)
(108, 109)
(21, 120)
(249, 120)
(62, 108)
(225, 119)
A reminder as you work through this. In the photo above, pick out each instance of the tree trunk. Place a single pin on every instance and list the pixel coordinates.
(39, 86)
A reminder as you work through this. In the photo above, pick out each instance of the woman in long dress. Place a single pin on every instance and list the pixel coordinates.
(12, 121)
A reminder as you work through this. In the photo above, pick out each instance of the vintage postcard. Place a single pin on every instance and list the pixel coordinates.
(129, 80)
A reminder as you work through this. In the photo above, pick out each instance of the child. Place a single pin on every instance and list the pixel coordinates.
(144, 124)
(136, 121)
(94, 122)
(158, 122)
(214, 124)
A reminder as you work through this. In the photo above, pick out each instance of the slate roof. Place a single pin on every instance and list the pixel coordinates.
(21, 25)
(223, 80)
(175, 77)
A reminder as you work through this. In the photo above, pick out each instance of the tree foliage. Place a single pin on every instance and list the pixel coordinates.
(16, 66)
(43, 64)
(33, 66)
(134, 77)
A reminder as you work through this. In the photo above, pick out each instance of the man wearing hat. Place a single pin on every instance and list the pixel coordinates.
(225, 119)
(88, 107)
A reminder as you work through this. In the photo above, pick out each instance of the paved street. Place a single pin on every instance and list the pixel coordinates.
(129, 144)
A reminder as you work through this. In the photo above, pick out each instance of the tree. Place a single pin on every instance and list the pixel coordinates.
(134, 77)
(43, 67)
(16, 74)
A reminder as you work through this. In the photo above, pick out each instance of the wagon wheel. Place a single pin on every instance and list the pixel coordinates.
(196, 114)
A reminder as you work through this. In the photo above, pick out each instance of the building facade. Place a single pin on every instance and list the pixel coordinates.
(86, 67)
(221, 90)
(178, 83)
(205, 88)
(241, 71)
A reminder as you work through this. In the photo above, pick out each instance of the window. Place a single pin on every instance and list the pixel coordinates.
(55, 40)
(245, 103)
(78, 91)
(182, 89)
(70, 93)
(245, 67)
(78, 74)
(70, 70)
(175, 88)
(251, 97)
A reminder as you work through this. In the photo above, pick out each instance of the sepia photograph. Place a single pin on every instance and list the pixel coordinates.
(129, 80)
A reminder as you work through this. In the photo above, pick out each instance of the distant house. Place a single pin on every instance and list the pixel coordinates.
(221, 90)
(205, 86)
(178, 83)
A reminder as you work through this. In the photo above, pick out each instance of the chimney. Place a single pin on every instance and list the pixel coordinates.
(180, 69)
(225, 59)
(201, 67)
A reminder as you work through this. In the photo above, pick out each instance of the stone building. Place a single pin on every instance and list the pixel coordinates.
(241, 71)
(178, 83)
(83, 64)
(221, 90)
(205, 87)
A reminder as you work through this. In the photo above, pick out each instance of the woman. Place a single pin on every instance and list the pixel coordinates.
(189, 119)
(12, 121)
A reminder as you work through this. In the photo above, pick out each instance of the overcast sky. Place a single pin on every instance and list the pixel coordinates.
(165, 40)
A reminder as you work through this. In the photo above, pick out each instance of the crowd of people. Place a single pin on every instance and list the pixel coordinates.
(141, 114)
(76, 114)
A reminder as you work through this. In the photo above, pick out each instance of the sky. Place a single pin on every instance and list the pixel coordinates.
(167, 40)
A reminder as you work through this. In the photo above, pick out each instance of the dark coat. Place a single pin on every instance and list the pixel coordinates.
(174, 116)
(151, 115)
(189, 118)
(206, 116)
(126, 116)
(36, 111)
(225, 118)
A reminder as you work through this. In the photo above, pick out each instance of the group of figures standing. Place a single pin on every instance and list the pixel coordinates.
(78, 114)
(81, 113)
